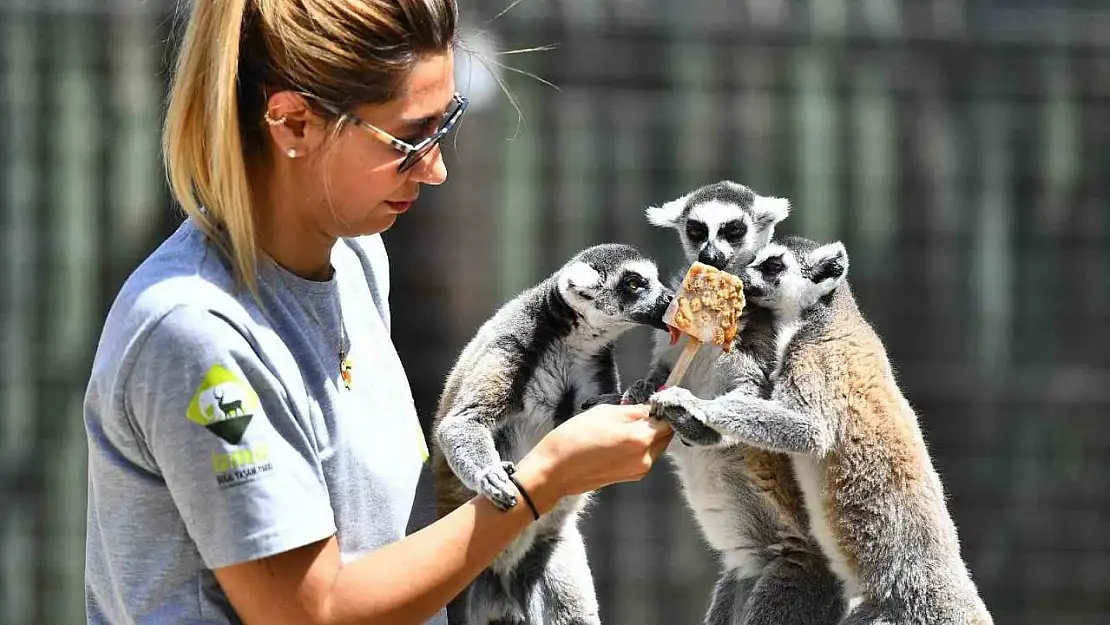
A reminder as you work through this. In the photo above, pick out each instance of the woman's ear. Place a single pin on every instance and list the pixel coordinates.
(294, 129)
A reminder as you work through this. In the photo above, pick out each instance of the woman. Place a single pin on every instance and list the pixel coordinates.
(254, 450)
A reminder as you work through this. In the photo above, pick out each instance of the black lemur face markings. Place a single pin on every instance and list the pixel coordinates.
(652, 314)
(729, 238)
(733, 231)
(631, 283)
(696, 231)
(794, 273)
(769, 271)
(721, 224)
(615, 283)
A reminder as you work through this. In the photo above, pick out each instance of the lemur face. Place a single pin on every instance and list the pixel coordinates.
(722, 224)
(791, 275)
(614, 285)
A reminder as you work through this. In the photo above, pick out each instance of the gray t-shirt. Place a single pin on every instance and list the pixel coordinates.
(220, 431)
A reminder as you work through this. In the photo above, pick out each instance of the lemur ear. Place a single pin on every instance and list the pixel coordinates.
(770, 210)
(579, 277)
(666, 216)
(828, 266)
(767, 251)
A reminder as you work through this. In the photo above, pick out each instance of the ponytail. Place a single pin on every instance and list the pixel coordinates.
(202, 141)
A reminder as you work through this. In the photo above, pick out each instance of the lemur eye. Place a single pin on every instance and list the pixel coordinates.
(634, 282)
(733, 230)
(696, 231)
(772, 265)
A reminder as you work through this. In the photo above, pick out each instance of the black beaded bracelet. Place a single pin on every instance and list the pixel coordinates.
(509, 470)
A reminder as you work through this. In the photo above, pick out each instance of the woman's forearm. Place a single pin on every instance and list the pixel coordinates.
(406, 581)
(409, 580)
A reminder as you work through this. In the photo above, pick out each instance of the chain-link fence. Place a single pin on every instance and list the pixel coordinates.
(958, 148)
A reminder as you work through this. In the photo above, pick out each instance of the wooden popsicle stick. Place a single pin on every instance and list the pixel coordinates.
(683, 362)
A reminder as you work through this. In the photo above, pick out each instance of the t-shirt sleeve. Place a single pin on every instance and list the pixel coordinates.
(240, 466)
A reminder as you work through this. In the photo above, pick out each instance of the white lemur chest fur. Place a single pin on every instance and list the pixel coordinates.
(810, 473)
(566, 373)
(728, 508)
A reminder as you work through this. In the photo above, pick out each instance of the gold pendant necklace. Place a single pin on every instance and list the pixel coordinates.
(345, 364)
(345, 367)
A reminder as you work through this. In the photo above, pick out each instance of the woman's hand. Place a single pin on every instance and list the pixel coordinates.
(600, 446)
(408, 580)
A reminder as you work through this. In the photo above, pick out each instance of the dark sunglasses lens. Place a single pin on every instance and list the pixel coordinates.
(415, 157)
(449, 123)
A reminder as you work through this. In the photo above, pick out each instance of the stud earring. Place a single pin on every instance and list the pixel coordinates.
(291, 152)
(273, 122)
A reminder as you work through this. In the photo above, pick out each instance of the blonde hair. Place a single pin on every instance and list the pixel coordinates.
(343, 53)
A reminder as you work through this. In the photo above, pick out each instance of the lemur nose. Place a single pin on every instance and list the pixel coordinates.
(713, 258)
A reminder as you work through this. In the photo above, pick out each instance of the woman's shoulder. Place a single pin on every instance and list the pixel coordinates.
(185, 276)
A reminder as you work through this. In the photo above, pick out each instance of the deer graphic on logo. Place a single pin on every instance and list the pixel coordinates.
(235, 418)
(231, 408)
(224, 404)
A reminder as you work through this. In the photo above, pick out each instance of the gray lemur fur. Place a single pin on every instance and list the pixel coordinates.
(750, 508)
(875, 503)
(744, 499)
(520, 376)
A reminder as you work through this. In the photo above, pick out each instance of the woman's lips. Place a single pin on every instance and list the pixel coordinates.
(400, 207)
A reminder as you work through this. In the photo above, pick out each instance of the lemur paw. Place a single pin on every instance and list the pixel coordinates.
(679, 407)
(673, 396)
(638, 392)
(495, 485)
(597, 400)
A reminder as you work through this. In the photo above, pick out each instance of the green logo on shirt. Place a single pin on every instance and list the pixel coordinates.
(223, 403)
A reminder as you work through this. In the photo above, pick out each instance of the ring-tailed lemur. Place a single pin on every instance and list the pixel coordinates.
(750, 508)
(876, 504)
(522, 374)
(744, 499)
(722, 224)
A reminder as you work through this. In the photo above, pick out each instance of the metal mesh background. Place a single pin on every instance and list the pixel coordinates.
(960, 149)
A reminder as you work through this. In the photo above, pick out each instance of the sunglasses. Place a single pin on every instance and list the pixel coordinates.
(414, 152)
